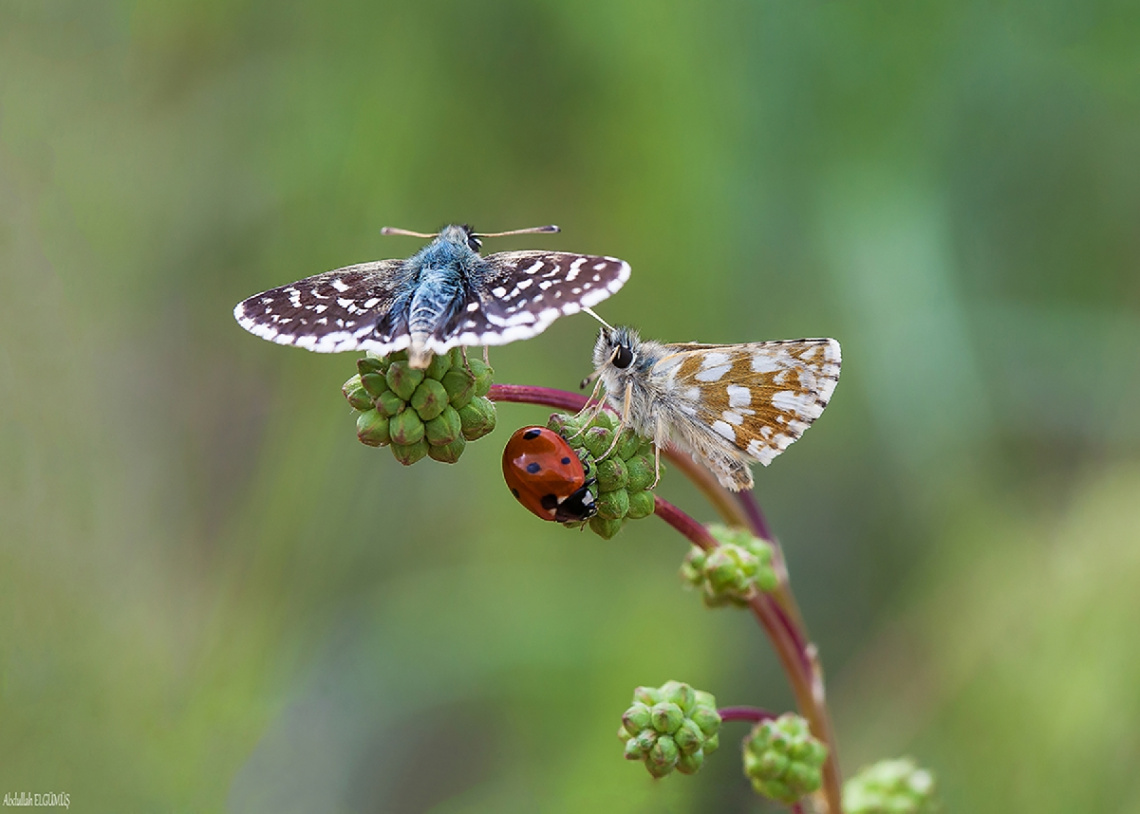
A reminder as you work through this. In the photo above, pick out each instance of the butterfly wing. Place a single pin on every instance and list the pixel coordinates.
(350, 308)
(757, 398)
(520, 293)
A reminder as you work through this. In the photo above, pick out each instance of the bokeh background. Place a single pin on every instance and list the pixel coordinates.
(213, 598)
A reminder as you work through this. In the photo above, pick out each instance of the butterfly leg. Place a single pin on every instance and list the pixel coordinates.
(658, 440)
(487, 355)
(624, 421)
(593, 409)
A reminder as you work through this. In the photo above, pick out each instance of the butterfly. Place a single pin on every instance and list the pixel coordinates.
(445, 295)
(727, 405)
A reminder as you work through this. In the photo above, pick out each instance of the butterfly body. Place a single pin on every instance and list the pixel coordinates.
(445, 295)
(727, 405)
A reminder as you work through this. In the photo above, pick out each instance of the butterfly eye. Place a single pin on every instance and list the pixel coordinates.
(475, 243)
(623, 357)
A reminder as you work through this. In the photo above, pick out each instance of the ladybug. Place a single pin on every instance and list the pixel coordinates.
(546, 476)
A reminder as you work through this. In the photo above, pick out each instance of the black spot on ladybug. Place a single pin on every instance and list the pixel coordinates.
(531, 434)
(515, 492)
(533, 467)
(565, 461)
(549, 502)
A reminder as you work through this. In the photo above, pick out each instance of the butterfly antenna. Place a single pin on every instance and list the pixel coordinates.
(392, 230)
(590, 311)
(532, 230)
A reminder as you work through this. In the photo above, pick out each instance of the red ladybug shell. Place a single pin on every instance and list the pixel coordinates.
(545, 475)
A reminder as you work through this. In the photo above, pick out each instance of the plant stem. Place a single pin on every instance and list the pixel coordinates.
(777, 612)
(751, 714)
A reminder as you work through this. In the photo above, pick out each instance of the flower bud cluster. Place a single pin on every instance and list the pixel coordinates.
(890, 787)
(733, 571)
(421, 413)
(624, 475)
(670, 727)
(783, 759)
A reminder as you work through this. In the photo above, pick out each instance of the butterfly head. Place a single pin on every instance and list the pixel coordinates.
(617, 349)
(462, 236)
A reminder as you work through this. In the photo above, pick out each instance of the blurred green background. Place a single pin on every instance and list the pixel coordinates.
(212, 598)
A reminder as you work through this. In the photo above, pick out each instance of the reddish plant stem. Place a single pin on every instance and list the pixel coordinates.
(751, 714)
(696, 532)
(778, 613)
(756, 519)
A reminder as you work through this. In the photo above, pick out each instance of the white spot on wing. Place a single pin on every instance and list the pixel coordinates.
(724, 430)
(712, 374)
(739, 396)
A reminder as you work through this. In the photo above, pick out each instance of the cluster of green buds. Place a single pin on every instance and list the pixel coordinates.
(670, 727)
(624, 475)
(783, 759)
(890, 787)
(421, 413)
(732, 572)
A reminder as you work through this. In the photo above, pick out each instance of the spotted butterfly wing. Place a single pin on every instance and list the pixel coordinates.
(339, 310)
(759, 397)
(521, 293)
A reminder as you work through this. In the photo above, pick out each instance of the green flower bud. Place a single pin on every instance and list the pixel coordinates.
(386, 386)
(734, 570)
(633, 750)
(444, 428)
(404, 379)
(356, 394)
(645, 740)
(406, 428)
(484, 375)
(460, 387)
(690, 763)
(777, 762)
(371, 364)
(707, 718)
(641, 504)
(667, 717)
(439, 366)
(429, 399)
(628, 444)
(636, 718)
(374, 384)
(478, 418)
(664, 752)
(372, 429)
(659, 730)
(597, 441)
(613, 505)
(606, 529)
(642, 471)
(612, 473)
(681, 694)
(689, 737)
(647, 695)
(390, 404)
(891, 787)
(410, 453)
(448, 453)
